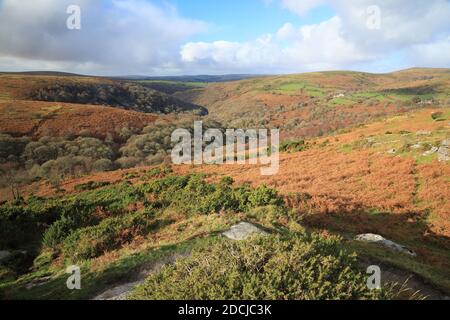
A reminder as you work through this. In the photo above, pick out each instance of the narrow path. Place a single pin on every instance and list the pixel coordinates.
(413, 282)
(123, 290)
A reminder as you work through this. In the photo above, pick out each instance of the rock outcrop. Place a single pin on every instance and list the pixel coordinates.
(376, 238)
(444, 151)
(242, 231)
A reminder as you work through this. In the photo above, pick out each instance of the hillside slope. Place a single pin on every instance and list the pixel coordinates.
(93, 91)
(312, 104)
(37, 119)
(348, 184)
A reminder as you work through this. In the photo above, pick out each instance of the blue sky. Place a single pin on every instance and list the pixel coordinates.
(173, 37)
(244, 20)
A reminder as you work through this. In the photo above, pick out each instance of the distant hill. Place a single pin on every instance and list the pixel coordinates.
(44, 73)
(194, 78)
(312, 104)
(92, 91)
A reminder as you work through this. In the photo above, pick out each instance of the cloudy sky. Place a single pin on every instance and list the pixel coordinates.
(174, 37)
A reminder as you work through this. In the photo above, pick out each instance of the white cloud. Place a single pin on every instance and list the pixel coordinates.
(287, 31)
(133, 36)
(419, 30)
(301, 7)
(311, 47)
(434, 54)
(139, 37)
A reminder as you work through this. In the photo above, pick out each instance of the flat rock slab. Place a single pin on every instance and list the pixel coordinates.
(242, 231)
(376, 238)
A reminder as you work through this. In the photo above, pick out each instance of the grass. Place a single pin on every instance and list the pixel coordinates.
(94, 282)
(341, 101)
(107, 231)
(437, 277)
(296, 88)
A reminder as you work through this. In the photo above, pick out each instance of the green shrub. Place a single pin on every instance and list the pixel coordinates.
(293, 146)
(159, 172)
(269, 214)
(437, 116)
(18, 226)
(264, 196)
(262, 268)
(193, 195)
(91, 185)
(75, 216)
(17, 263)
(109, 234)
(45, 258)
(103, 165)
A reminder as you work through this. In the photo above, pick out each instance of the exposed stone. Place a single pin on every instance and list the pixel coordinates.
(444, 151)
(433, 150)
(416, 146)
(242, 231)
(376, 238)
(392, 151)
(423, 133)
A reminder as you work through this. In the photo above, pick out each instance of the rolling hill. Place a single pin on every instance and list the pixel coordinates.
(93, 91)
(87, 180)
(313, 104)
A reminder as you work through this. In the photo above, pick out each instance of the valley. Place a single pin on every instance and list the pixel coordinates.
(87, 179)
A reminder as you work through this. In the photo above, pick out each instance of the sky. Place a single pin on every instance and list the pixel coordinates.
(182, 37)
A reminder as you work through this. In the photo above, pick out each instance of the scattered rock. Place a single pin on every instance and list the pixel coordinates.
(4, 254)
(423, 133)
(416, 146)
(392, 151)
(376, 238)
(444, 151)
(242, 231)
(430, 152)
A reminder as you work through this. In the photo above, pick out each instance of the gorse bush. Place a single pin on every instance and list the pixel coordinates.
(193, 195)
(74, 218)
(17, 226)
(91, 185)
(53, 219)
(293, 146)
(109, 234)
(263, 268)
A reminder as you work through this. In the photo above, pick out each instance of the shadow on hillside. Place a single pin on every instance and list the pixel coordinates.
(355, 218)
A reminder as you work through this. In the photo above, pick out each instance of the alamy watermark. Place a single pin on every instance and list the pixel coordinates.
(373, 17)
(237, 146)
(73, 22)
(374, 280)
(74, 281)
